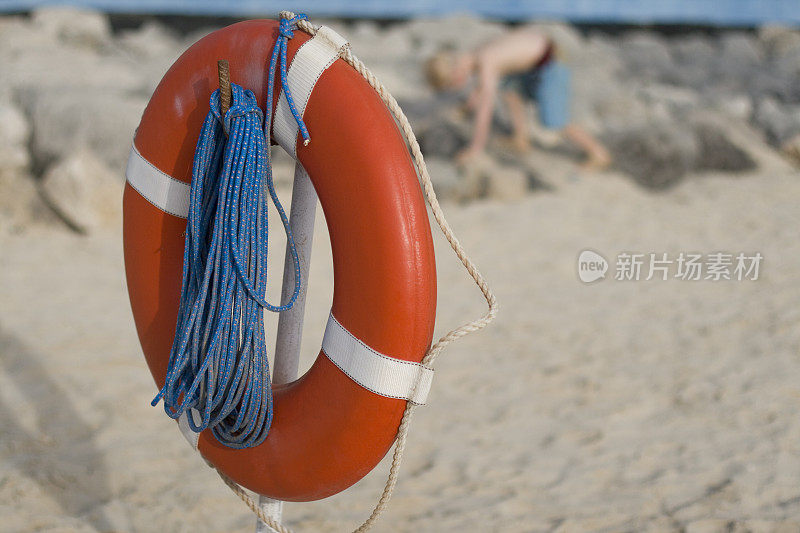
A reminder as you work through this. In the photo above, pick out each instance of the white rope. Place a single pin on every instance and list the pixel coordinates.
(435, 350)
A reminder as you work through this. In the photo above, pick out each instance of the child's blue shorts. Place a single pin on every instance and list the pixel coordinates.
(550, 87)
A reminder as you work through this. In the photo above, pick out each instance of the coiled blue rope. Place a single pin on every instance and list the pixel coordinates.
(218, 363)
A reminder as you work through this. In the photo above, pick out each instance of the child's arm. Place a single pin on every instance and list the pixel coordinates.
(472, 100)
(488, 81)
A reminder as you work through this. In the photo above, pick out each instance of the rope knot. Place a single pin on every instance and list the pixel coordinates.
(286, 25)
(285, 28)
(244, 103)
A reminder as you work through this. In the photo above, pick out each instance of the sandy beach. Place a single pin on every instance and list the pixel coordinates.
(618, 406)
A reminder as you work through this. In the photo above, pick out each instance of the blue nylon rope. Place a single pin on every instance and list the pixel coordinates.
(218, 363)
(279, 51)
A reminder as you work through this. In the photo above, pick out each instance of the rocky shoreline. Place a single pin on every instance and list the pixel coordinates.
(668, 106)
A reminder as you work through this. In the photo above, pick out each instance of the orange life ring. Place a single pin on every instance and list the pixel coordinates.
(328, 430)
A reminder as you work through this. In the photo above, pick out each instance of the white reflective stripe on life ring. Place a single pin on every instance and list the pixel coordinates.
(160, 189)
(379, 373)
(311, 60)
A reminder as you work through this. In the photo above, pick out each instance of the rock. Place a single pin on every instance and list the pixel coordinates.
(18, 34)
(600, 57)
(603, 44)
(741, 47)
(692, 75)
(113, 514)
(780, 122)
(695, 48)
(193, 36)
(717, 152)
(769, 83)
(619, 107)
(787, 63)
(363, 35)
(657, 155)
(739, 55)
(461, 32)
(711, 525)
(791, 149)
(484, 177)
(778, 40)
(694, 56)
(403, 77)
(20, 203)
(423, 112)
(66, 121)
(506, 183)
(646, 55)
(14, 137)
(365, 30)
(34, 60)
(748, 138)
(80, 27)
(443, 139)
(738, 106)
(151, 40)
(83, 192)
(672, 99)
(596, 81)
(445, 178)
(771, 526)
(393, 42)
(472, 179)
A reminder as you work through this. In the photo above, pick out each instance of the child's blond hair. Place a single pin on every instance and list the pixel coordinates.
(439, 69)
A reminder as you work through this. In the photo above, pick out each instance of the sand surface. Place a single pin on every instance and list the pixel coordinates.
(661, 405)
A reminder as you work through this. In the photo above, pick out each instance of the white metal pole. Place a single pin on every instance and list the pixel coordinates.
(290, 323)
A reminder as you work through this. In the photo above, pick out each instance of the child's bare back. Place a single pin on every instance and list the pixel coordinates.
(516, 51)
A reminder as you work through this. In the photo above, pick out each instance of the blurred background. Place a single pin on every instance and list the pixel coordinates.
(626, 404)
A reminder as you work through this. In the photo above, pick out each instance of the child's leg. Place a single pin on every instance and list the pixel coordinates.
(553, 93)
(520, 136)
(597, 157)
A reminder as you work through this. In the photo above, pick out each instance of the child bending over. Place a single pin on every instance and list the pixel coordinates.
(524, 64)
